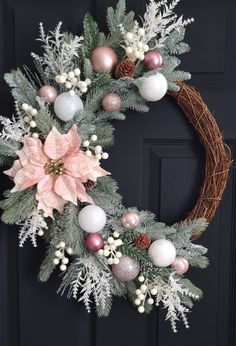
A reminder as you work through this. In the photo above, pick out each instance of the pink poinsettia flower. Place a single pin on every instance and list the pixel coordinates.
(58, 168)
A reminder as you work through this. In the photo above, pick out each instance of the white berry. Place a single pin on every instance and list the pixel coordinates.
(57, 78)
(33, 123)
(143, 288)
(145, 48)
(56, 261)
(150, 301)
(34, 112)
(65, 260)
(88, 81)
(35, 135)
(71, 74)
(137, 54)
(98, 149)
(100, 252)
(129, 36)
(137, 301)
(72, 92)
(141, 278)
(138, 292)
(68, 85)
(88, 152)
(84, 90)
(63, 267)
(116, 260)
(69, 250)
(105, 156)
(40, 232)
(26, 119)
(110, 261)
(58, 253)
(86, 143)
(128, 50)
(141, 296)
(25, 106)
(77, 71)
(61, 79)
(118, 254)
(98, 156)
(94, 138)
(62, 244)
(116, 234)
(153, 291)
(141, 309)
(106, 253)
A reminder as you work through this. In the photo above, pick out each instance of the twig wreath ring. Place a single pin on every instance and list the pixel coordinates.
(55, 144)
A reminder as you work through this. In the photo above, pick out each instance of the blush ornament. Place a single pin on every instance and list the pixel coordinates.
(127, 269)
(153, 88)
(180, 265)
(111, 102)
(48, 93)
(104, 59)
(94, 242)
(130, 220)
(162, 253)
(153, 60)
(67, 105)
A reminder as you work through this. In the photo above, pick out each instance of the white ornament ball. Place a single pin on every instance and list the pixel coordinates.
(92, 219)
(162, 252)
(154, 87)
(66, 105)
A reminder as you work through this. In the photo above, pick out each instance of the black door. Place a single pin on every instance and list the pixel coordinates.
(163, 163)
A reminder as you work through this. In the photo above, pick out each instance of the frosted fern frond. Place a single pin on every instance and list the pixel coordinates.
(169, 294)
(60, 50)
(86, 278)
(32, 227)
(14, 128)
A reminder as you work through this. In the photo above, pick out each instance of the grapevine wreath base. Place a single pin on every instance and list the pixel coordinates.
(54, 146)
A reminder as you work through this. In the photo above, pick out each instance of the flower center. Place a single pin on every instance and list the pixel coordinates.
(54, 167)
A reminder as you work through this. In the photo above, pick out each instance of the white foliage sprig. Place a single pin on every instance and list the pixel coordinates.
(14, 128)
(60, 49)
(160, 21)
(90, 279)
(31, 228)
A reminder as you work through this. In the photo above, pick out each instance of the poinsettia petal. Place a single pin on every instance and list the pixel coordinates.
(14, 169)
(53, 200)
(79, 164)
(27, 176)
(35, 151)
(81, 193)
(55, 145)
(65, 187)
(73, 140)
(95, 173)
(42, 206)
(46, 184)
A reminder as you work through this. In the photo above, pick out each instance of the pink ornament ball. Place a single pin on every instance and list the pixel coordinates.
(130, 220)
(48, 93)
(111, 102)
(94, 242)
(153, 60)
(104, 59)
(180, 265)
(127, 269)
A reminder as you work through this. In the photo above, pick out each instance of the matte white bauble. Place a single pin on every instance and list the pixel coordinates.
(162, 252)
(66, 105)
(153, 88)
(92, 219)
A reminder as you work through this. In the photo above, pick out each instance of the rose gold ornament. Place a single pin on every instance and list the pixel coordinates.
(180, 265)
(127, 269)
(104, 59)
(111, 102)
(153, 60)
(48, 93)
(94, 242)
(130, 220)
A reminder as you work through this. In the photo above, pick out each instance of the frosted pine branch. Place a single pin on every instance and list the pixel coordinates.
(31, 228)
(14, 128)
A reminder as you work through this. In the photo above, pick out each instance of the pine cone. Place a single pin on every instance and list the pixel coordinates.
(143, 241)
(89, 185)
(126, 68)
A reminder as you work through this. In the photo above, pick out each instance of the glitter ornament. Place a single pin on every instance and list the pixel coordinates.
(104, 59)
(48, 93)
(92, 219)
(94, 242)
(180, 265)
(130, 220)
(111, 102)
(162, 252)
(153, 88)
(143, 241)
(66, 105)
(127, 269)
(153, 60)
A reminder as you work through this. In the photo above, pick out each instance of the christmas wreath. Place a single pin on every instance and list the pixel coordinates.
(57, 139)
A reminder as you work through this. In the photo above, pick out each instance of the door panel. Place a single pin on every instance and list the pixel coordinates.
(163, 163)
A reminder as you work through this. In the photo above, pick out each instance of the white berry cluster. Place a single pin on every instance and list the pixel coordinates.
(144, 293)
(60, 255)
(72, 81)
(30, 114)
(95, 150)
(135, 45)
(110, 249)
